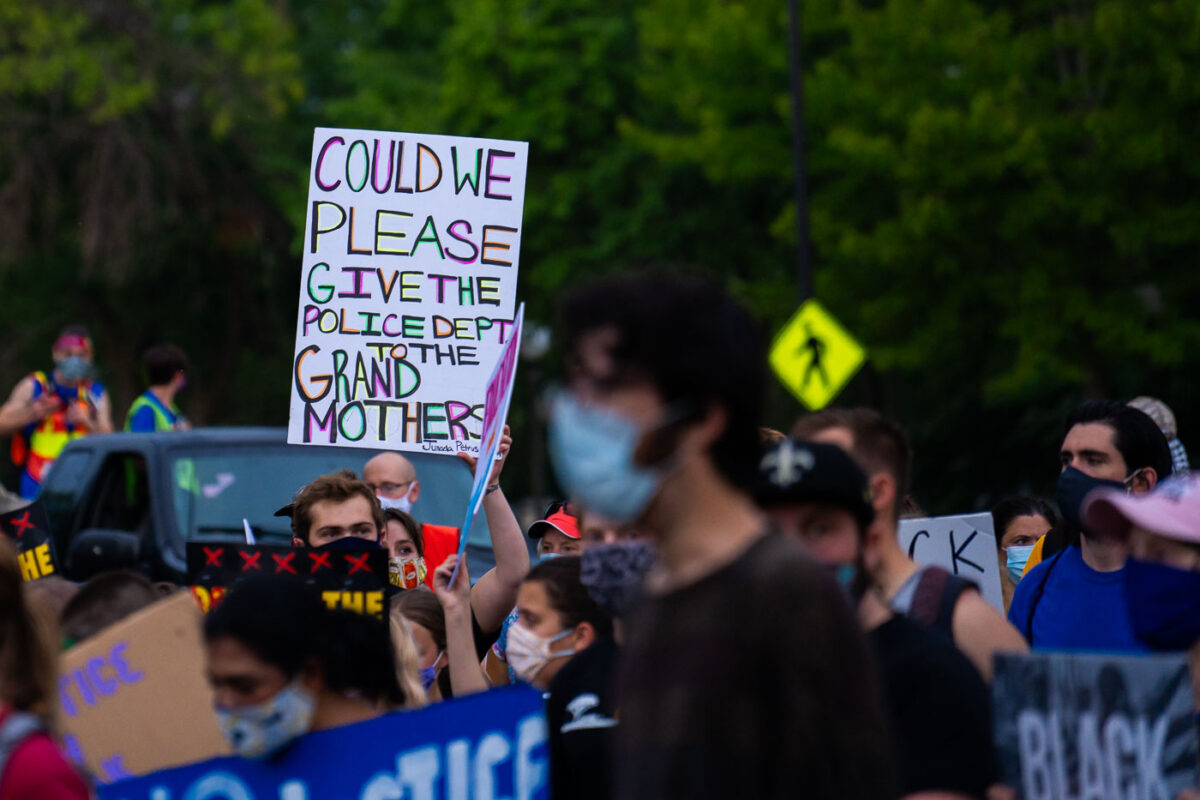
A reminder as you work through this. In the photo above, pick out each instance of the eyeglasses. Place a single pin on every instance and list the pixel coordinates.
(388, 488)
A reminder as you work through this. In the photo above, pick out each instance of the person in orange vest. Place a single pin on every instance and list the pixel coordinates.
(49, 408)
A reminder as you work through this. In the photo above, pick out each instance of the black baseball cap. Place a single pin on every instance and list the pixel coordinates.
(795, 471)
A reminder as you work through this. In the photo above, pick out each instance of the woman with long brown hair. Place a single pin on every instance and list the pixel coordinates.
(31, 765)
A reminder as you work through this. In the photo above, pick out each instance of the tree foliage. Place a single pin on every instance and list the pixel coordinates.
(1003, 202)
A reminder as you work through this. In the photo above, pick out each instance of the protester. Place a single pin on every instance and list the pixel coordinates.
(1164, 418)
(1105, 441)
(419, 615)
(562, 643)
(462, 658)
(332, 507)
(49, 408)
(281, 665)
(31, 766)
(744, 673)
(407, 659)
(938, 704)
(1076, 599)
(154, 410)
(1019, 522)
(50, 595)
(393, 479)
(596, 529)
(928, 595)
(405, 547)
(105, 600)
(1162, 580)
(557, 532)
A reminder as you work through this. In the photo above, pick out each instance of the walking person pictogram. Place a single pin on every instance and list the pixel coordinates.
(816, 347)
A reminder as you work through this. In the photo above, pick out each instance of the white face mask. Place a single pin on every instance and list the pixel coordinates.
(400, 503)
(262, 730)
(528, 653)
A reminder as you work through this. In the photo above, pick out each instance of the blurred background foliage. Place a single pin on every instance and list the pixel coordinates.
(1004, 203)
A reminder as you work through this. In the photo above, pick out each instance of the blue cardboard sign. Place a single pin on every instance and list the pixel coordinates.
(490, 745)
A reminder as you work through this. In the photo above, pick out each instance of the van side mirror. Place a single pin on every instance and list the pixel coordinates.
(102, 549)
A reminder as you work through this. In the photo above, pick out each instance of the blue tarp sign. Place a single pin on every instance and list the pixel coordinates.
(491, 745)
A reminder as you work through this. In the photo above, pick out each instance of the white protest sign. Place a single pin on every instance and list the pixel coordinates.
(408, 288)
(964, 545)
(497, 399)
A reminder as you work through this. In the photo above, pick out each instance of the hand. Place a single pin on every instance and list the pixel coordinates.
(1189, 794)
(78, 414)
(42, 407)
(456, 598)
(998, 791)
(498, 467)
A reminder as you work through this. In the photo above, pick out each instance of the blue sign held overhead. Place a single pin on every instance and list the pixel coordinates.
(490, 745)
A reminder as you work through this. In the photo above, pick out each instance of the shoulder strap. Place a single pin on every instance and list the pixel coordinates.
(1037, 596)
(934, 598)
(18, 727)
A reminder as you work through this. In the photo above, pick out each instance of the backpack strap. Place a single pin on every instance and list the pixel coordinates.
(17, 727)
(1037, 596)
(935, 597)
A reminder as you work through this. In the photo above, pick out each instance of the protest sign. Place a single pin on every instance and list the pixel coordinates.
(133, 699)
(29, 530)
(1086, 725)
(354, 579)
(965, 545)
(408, 288)
(485, 746)
(497, 398)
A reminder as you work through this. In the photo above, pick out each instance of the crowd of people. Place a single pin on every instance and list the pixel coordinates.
(714, 609)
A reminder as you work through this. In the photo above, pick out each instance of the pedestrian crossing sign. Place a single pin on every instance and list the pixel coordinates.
(814, 356)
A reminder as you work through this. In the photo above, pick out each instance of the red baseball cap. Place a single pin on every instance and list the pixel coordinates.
(556, 518)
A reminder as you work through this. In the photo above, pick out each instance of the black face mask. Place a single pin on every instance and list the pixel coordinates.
(1073, 487)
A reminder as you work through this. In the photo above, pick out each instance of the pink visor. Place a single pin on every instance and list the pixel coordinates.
(1172, 510)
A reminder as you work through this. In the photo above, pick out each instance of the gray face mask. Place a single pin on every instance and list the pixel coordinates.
(73, 368)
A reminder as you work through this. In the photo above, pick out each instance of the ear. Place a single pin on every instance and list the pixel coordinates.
(1144, 481)
(414, 491)
(298, 542)
(585, 636)
(883, 495)
(312, 677)
(699, 436)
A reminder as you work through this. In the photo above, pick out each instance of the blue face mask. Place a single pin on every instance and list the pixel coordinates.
(1018, 557)
(592, 450)
(73, 368)
(1164, 604)
(845, 574)
(429, 674)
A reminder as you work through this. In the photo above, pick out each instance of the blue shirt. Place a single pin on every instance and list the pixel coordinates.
(144, 419)
(1080, 608)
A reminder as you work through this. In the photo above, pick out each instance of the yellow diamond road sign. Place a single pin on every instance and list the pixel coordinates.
(814, 356)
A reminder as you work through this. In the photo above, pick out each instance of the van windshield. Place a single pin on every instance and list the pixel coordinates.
(214, 488)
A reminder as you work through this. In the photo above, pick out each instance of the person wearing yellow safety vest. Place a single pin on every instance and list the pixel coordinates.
(48, 409)
(154, 410)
